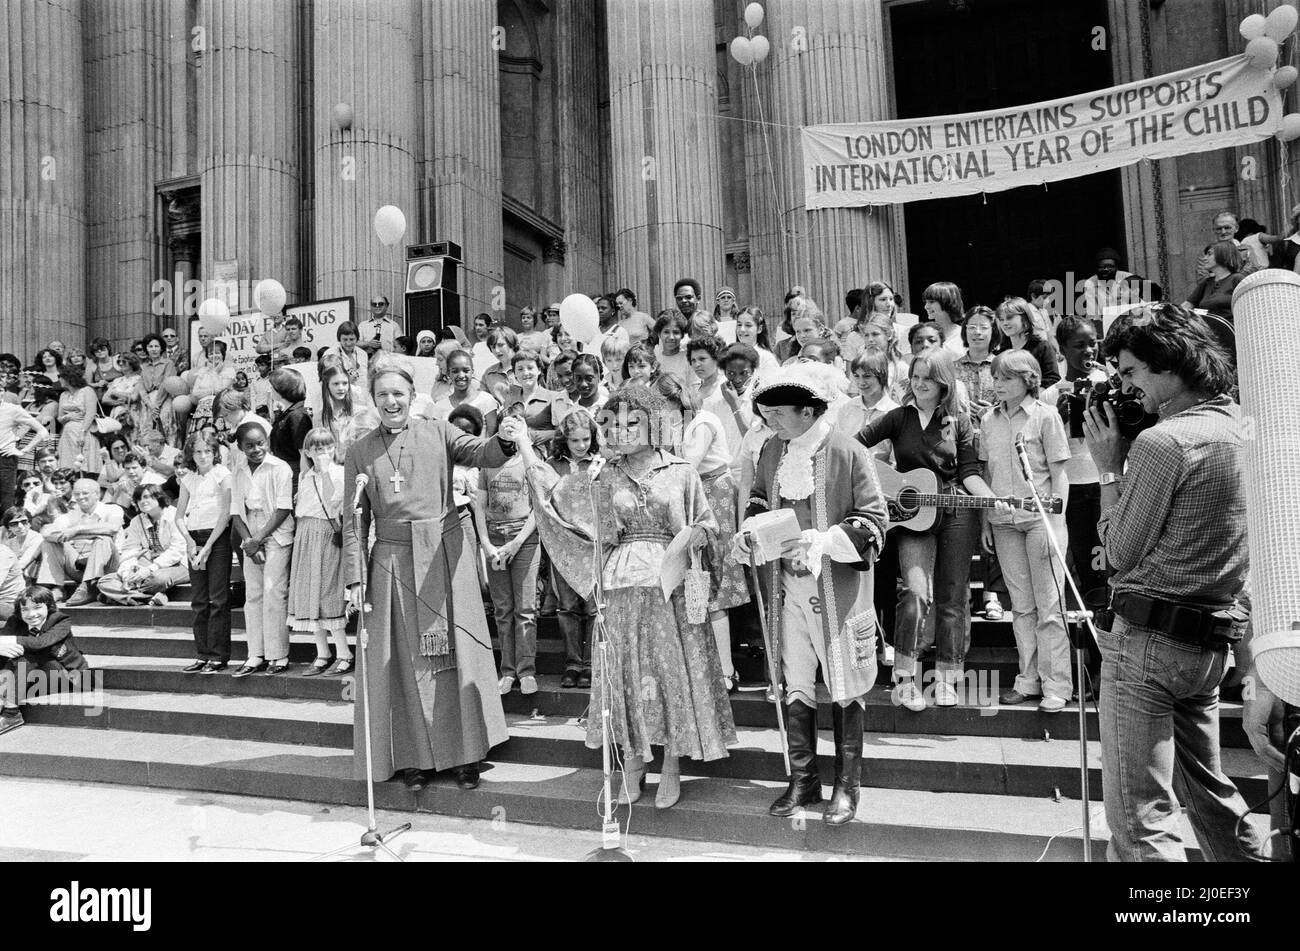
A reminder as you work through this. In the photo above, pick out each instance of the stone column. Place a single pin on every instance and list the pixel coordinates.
(663, 119)
(249, 163)
(364, 55)
(460, 173)
(828, 65)
(42, 176)
(581, 85)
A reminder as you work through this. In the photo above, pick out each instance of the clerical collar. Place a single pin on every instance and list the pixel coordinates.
(393, 432)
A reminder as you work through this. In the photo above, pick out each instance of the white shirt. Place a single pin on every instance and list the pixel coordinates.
(355, 365)
(704, 443)
(104, 513)
(12, 418)
(312, 491)
(255, 496)
(853, 416)
(204, 492)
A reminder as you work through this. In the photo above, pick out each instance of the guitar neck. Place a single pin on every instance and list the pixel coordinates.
(963, 501)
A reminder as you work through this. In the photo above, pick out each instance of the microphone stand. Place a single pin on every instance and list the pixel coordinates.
(1072, 619)
(372, 838)
(611, 849)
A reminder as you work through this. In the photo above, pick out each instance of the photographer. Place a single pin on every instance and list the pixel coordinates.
(1173, 524)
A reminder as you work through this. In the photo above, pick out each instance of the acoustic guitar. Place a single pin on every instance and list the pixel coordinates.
(913, 499)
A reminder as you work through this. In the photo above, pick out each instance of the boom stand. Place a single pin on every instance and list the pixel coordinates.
(611, 849)
(372, 838)
(1071, 620)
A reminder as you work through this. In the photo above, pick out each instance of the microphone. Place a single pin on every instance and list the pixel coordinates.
(363, 480)
(1023, 457)
(594, 470)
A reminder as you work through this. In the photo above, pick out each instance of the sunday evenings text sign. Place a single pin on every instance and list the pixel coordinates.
(1219, 105)
(320, 324)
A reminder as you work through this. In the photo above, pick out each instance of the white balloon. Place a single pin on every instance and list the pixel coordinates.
(1253, 26)
(760, 47)
(742, 51)
(1290, 128)
(1262, 52)
(390, 224)
(269, 296)
(1285, 77)
(1281, 23)
(579, 316)
(754, 15)
(214, 316)
(343, 116)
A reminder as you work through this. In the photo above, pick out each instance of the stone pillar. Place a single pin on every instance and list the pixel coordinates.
(581, 85)
(42, 176)
(363, 55)
(248, 141)
(828, 65)
(663, 119)
(460, 173)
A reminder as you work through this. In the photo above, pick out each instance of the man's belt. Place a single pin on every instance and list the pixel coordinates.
(1185, 622)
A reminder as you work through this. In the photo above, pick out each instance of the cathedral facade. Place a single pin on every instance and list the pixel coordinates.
(564, 145)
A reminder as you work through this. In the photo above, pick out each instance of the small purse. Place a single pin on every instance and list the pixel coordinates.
(697, 583)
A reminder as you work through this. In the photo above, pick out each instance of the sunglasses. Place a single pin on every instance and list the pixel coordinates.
(376, 303)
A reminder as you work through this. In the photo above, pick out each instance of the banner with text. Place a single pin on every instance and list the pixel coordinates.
(320, 325)
(1220, 105)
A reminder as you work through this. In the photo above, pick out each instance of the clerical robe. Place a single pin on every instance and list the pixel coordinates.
(429, 666)
(846, 493)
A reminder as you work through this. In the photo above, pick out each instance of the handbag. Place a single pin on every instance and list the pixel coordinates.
(337, 538)
(104, 424)
(697, 591)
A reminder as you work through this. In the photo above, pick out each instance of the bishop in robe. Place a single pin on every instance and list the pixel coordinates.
(428, 663)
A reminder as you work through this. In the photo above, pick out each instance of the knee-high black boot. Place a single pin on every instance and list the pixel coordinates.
(801, 737)
(848, 764)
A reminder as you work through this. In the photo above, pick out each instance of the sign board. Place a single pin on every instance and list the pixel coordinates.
(1221, 105)
(320, 323)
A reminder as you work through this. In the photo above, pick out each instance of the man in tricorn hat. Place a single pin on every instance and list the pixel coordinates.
(820, 607)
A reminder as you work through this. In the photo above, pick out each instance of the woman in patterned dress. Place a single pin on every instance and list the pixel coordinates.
(662, 670)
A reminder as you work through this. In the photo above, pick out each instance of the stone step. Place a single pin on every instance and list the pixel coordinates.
(750, 708)
(969, 764)
(891, 822)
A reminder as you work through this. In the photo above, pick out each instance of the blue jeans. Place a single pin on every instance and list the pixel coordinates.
(1160, 748)
(514, 599)
(935, 567)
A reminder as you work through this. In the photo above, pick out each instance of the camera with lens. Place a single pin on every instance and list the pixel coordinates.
(1130, 414)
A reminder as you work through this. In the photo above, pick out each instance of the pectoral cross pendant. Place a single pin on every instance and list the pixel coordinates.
(397, 479)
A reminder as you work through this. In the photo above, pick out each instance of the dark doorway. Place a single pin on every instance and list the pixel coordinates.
(955, 56)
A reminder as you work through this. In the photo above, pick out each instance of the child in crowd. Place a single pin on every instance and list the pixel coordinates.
(39, 634)
(203, 515)
(612, 351)
(510, 543)
(151, 553)
(1077, 338)
(670, 330)
(316, 590)
(870, 370)
(261, 508)
(640, 365)
(45, 505)
(260, 386)
(573, 449)
(1023, 548)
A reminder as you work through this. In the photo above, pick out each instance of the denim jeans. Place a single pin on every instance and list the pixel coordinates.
(574, 615)
(936, 573)
(1160, 748)
(514, 601)
(210, 598)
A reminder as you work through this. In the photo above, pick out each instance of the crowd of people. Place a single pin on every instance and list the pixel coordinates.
(119, 488)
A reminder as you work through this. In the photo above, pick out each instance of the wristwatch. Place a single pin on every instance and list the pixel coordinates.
(1109, 478)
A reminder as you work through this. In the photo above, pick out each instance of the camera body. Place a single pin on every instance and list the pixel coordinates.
(1130, 414)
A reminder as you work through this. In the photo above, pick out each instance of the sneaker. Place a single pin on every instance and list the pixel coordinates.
(214, 667)
(505, 685)
(195, 667)
(10, 721)
(993, 610)
(1051, 705)
(527, 685)
(158, 600)
(81, 596)
(945, 694)
(908, 694)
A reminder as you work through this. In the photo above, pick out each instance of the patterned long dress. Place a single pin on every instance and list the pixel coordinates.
(77, 437)
(663, 671)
